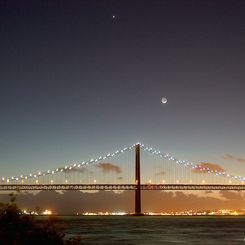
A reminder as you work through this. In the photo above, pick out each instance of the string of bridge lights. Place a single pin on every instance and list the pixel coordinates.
(68, 168)
(191, 165)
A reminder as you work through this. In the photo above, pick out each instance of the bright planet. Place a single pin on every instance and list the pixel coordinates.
(164, 100)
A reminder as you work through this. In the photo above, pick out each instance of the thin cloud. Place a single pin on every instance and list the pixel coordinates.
(204, 167)
(80, 170)
(228, 157)
(161, 173)
(109, 167)
(231, 157)
(241, 160)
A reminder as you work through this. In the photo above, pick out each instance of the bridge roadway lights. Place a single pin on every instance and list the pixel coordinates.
(123, 187)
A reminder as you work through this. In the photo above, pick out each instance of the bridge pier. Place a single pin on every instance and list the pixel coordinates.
(137, 182)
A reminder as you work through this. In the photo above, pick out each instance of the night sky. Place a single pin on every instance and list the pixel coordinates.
(82, 78)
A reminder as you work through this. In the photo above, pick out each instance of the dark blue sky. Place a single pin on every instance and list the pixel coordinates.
(76, 82)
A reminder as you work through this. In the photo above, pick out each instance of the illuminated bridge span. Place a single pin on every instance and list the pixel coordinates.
(120, 187)
(133, 168)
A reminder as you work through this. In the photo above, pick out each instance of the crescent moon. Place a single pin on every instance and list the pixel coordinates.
(164, 100)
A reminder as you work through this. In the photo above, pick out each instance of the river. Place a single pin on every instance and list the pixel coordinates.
(153, 229)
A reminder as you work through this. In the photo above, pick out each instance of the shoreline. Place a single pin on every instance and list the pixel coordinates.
(130, 215)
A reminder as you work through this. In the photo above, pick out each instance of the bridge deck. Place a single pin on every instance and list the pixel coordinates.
(20, 187)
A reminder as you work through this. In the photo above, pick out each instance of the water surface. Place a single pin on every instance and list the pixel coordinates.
(153, 229)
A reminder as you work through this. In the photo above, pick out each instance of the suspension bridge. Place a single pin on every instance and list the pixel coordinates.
(134, 168)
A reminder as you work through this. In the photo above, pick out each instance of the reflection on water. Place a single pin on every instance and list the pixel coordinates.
(154, 230)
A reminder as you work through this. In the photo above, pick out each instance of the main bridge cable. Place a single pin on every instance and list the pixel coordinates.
(190, 164)
(66, 168)
(118, 152)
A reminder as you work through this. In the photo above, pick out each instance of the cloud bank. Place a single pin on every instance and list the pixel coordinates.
(71, 202)
(109, 167)
(204, 167)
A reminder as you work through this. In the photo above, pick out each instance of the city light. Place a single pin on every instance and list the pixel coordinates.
(47, 212)
(220, 212)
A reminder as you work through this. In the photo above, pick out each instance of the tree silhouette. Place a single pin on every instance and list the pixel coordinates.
(20, 229)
